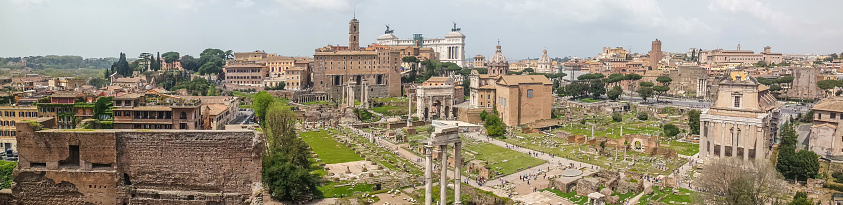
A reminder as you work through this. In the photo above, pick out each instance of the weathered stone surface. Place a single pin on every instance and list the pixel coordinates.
(586, 186)
(136, 167)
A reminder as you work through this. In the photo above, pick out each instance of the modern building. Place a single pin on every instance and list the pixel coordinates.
(335, 66)
(67, 108)
(450, 49)
(479, 61)
(12, 114)
(742, 121)
(220, 110)
(137, 111)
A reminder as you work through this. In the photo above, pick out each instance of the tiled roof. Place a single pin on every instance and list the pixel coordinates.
(835, 105)
(522, 79)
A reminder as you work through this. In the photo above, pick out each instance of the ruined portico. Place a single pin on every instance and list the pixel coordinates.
(442, 136)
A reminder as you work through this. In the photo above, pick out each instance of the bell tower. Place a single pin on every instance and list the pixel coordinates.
(354, 34)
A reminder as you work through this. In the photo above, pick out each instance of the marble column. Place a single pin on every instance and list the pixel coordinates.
(410, 111)
(745, 148)
(428, 175)
(759, 143)
(457, 172)
(443, 173)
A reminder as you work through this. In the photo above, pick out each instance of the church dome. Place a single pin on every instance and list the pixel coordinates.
(498, 58)
(544, 58)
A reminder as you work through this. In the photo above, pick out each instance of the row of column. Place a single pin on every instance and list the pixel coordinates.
(733, 136)
(311, 98)
(443, 173)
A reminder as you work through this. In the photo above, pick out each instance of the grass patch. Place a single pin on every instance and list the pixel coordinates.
(333, 189)
(571, 196)
(389, 110)
(503, 160)
(589, 100)
(318, 103)
(328, 149)
(683, 148)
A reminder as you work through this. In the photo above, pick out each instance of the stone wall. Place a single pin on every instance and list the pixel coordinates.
(136, 167)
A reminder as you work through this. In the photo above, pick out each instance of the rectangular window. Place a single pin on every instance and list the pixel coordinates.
(530, 93)
(737, 101)
(833, 115)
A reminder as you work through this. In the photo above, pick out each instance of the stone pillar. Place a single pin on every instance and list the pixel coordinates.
(703, 146)
(759, 143)
(410, 111)
(735, 142)
(745, 148)
(428, 175)
(457, 172)
(443, 174)
(722, 139)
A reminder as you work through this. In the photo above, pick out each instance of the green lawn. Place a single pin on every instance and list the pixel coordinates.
(318, 103)
(683, 148)
(501, 159)
(389, 110)
(571, 196)
(332, 189)
(668, 195)
(328, 149)
(589, 100)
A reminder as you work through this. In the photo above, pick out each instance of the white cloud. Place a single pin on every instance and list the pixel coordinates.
(304, 5)
(777, 20)
(244, 3)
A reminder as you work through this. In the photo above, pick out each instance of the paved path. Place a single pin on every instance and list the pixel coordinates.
(495, 186)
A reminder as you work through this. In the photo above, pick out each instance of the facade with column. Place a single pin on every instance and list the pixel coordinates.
(450, 49)
(442, 136)
(742, 122)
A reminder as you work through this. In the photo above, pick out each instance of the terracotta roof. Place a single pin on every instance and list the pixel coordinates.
(826, 125)
(209, 99)
(523, 79)
(129, 96)
(217, 109)
(153, 108)
(835, 105)
(66, 95)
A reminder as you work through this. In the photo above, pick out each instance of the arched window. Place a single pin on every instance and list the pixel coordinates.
(183, 115)
(530, 93)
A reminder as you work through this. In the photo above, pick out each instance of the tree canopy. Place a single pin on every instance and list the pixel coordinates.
(799, 165)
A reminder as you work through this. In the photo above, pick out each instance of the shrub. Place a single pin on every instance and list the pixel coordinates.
(643, 116)
(670, 130)
(838, 176)
(617, 117)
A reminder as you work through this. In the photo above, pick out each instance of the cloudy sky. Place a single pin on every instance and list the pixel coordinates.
(103, 28)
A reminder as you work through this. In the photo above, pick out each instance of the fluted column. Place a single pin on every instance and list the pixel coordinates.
(443, 173)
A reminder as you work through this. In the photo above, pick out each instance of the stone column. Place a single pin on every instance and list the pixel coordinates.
(735, 141)
(443, 174)
(703, 145)
(722, 139)
(457, 172)
(745, 148)
(410, 111)
(428, 175)
(759, 143)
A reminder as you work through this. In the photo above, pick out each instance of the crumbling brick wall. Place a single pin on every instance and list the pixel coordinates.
(136, 167)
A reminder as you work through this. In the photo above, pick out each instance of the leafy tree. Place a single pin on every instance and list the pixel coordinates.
(795, 165)
(528, 70)
(670, 130)
(590, 76)
(285, 170)
(482, 70)
(801, 198)
(661, 90)
(466, 83)
(212, 90)
(664, 80)
(494, 125)
(98, 82)
(615, 93)
(645, 92)
(6, 169)
(645, 84)
(775, 88)
(694, 121)
(576, 89)
(171, 57)
(617, 117)
(643, 116)
(261, 103)
(597, 88)
(211, 67)
(197, 86)
(189, 63)
(633, 77)
(122, 66)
